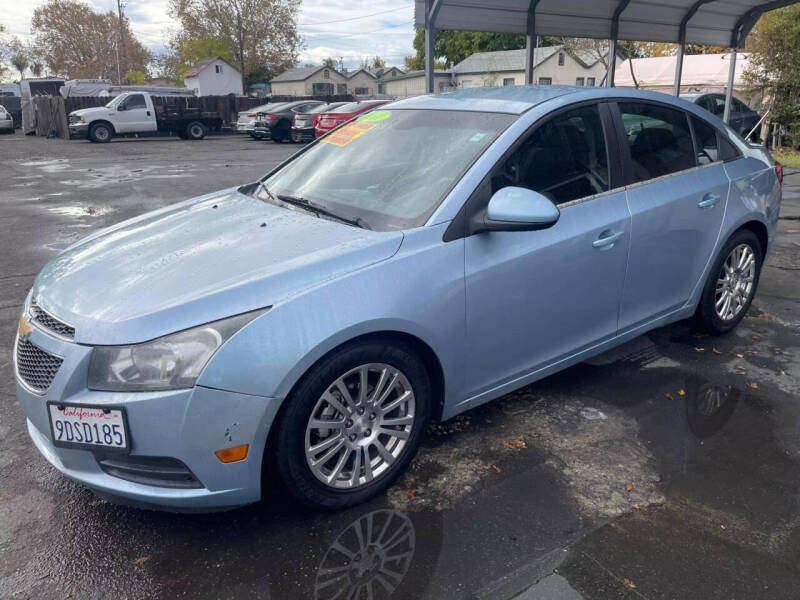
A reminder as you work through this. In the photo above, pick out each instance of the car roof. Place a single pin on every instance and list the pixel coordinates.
(520, 98)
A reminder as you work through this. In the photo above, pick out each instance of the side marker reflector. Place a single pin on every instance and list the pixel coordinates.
(229, 455)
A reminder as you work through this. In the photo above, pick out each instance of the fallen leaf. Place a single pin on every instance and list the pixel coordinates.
(669, 396)
(776, 350)
(739, 355)
(140, 560)
(637, 507)
(515, 443)
(740, 367)
(629, 488)
(752, 385)
(411, 494)
(495, 467)
(681, 392)
(756, 338)
(699, 349)
(629, 583)
(751, 352)
(74, 592)
(715, 351)
(535, 435)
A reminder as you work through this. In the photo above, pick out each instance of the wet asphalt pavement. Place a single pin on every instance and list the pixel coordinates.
(667, 468)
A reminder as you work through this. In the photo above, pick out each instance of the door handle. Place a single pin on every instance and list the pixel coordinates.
(708, 200)
(607, 238)
(148, 113)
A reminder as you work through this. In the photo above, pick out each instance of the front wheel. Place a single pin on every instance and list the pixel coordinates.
(353, 423)
(101, 133)
(731, 284)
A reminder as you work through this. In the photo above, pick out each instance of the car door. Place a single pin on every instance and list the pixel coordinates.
(134, 116)
(537, 297)
(677, 200)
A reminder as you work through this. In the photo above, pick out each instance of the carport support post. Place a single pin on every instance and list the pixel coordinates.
(431, 10)
(612, 62)
(676, 89)
(729, 90)
(530, 43)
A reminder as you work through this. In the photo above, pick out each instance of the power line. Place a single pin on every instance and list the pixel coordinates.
(383, 12)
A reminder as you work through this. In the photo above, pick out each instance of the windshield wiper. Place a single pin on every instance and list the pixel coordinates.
(320, 210)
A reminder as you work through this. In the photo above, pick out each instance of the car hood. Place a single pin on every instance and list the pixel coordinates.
(195, 262)
(97, 111)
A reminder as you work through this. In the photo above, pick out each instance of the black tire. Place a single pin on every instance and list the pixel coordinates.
(706, 317)
(251, 134)
(101, 133)
(196, 130)
(288, 450)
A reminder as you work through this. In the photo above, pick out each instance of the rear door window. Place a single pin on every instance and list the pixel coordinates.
(706, 142)
(659, 139)
(564, 159)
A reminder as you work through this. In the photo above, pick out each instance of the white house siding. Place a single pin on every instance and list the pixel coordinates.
(216, 79)
(362, 80)
(306, 86)
(566, 74)
(402, 87)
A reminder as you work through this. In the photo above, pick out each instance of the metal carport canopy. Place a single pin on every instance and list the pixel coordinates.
(711, 22)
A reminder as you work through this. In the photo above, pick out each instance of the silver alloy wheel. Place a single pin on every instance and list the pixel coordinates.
(101, 132)
(735, 282)
(360, 425)
(369, 559)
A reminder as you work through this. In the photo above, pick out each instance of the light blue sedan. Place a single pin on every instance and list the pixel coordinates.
(421, 260)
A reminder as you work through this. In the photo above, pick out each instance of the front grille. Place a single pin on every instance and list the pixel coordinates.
(47, 321)
(36, 367)
(160, 471)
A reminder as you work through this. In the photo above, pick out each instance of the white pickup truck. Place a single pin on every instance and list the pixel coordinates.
(142, 112)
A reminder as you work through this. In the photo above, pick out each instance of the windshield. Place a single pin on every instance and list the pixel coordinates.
(116, 101)
(390, 168)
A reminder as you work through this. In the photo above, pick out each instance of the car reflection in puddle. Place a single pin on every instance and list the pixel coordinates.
(368, 559)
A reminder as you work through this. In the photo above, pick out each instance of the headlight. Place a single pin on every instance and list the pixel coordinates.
(167, 363)
(75, 119)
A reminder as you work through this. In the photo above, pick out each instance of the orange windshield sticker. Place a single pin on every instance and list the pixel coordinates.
(347, 133)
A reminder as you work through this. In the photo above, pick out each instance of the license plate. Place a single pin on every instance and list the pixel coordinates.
(81, 426)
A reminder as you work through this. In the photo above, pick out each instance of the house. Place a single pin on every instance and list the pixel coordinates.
(554, 66)
(213, 77)
(361, 82)
(413, 83)
(701, 73)
(310, 81)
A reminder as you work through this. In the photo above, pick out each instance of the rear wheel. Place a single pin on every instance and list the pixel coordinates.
(353, 424)
(196, 130)
(731, 283)
(100, 133)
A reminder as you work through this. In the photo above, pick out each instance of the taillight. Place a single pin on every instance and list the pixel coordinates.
(252, 115)
(779, 171)
(293, 119)
(271, 117)
(315, 120)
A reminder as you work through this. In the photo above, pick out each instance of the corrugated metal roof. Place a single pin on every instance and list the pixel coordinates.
(721, 22)
(502, 60)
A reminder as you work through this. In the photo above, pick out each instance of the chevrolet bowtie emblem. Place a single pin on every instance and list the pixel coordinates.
(24, 329)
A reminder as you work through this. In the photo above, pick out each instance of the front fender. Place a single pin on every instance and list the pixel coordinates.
(419, 292)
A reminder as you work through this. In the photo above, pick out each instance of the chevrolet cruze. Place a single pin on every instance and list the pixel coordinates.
(425, 258)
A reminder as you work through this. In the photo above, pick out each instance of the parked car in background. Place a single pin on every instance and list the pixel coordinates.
(142, 112)
(417, 262)
(742, 117)
(303, 123)
(332, 119)
(276, 123)
(247, 118)
(6, 121)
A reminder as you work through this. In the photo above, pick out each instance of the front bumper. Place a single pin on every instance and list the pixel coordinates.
(6, 125)
(78, 130)
(186, 425)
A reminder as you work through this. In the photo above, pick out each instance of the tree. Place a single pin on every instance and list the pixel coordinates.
(135, 77)
(20, 63)
(75, 42)
(263, 32)
(455, 46)
(774, 68)
(378, 63)
(329, 62)
(183, 52)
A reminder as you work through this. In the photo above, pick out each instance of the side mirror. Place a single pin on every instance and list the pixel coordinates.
(516, 209)
(121, 107)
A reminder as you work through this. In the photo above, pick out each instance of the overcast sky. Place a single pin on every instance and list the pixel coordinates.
(361, 28)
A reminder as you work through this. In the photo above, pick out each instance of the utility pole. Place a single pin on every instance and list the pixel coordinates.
(121, 50)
